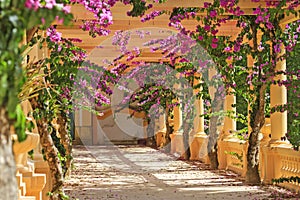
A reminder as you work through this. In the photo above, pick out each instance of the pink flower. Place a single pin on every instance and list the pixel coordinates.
(214, 45)
(238, 12)
(105, 17)
(213, 13)
(259, 19)
(269, 25)
(257, 11)
(277, 48)
(260, 47)
(243, 24)
(206, 4)
(59, 48)
(67, 9)
(32, 4)
(58, 20)
(53, 35)
(207, 27)
(214, 32)
(237, 47)
(200, 37)
(215, 40)
(227, 49)
(50, 4)
(43, 20)
(289, 48)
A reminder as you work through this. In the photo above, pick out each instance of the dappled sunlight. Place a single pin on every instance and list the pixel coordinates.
(136, 172)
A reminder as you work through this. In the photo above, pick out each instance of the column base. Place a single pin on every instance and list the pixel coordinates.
(177, 143)
(160, 138)
(198, 147)
(279, 143)
(42, 167)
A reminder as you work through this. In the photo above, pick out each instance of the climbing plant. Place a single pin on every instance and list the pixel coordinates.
(260, 37)
(17, 17)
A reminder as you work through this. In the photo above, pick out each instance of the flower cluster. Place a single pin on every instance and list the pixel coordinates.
(292, 35)
(49, 4)
(152, 15)
(92, 86)
(53, 35)
(121, 39)
(263, 16)
(102, 14)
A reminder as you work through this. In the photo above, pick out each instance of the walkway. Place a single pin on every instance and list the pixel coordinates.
(142, 173)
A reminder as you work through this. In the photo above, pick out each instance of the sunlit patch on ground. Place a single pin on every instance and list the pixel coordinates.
(142, 173)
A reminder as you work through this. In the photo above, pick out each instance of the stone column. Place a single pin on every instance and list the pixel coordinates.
(199, 120)
(279, 97)
(228, 128)
(229, 123)
(161, 129)
(198, 138)
(176, 137)
(230, 99)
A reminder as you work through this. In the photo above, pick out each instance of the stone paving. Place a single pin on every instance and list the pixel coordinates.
(142, 173)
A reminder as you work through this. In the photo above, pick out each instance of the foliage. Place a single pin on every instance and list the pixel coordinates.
(15, 20)
(259, 37)
(139, 7)
(293, 68)
(294, 179)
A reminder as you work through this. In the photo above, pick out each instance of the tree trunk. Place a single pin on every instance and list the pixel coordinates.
(167, 138)
(151, 141)
(66, 141)
(186, 133)
(212, 146)
(252, 175)
(257, 120)
(8, 181)
(51, 154)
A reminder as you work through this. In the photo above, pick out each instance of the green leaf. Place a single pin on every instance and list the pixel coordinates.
(4, 86)
(20, 124)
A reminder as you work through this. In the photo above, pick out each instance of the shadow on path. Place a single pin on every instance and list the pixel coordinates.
(142, 173)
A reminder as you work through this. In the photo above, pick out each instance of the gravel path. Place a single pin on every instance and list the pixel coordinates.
(142, 173)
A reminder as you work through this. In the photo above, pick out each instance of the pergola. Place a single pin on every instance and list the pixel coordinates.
(277, 157)
(125, 23)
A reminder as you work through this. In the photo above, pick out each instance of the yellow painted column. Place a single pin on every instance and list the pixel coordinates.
(199, 110)
(176, 137)
(198, 138)
(229, 123)
(162, 121)
(161, 129)
(228, 128)
(229, 106)
(199, 120)
(279, 97)
(177, 119)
